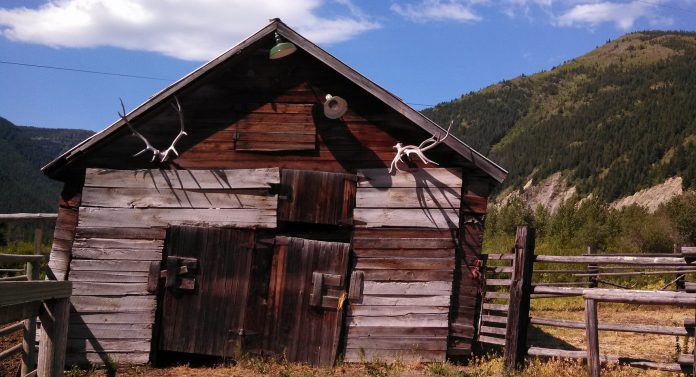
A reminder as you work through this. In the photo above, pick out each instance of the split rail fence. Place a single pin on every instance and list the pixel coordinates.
(24, 298)
(509, 289)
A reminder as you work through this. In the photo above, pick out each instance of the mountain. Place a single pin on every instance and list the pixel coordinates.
(24, 151)
(617, 120)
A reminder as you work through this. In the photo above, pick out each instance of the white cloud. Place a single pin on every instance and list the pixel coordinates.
(623, 15)
(436, 10)
(190, 30)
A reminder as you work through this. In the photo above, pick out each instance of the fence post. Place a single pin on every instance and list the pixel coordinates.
(592, 338)
(591, 269)
(54, 337)
(29, 333)
(520, 292)
(680, 283)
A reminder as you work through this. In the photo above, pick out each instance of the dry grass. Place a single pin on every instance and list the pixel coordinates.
(487, 366)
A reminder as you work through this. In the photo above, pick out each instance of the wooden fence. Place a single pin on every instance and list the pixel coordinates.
(509, 288)
(23, 298)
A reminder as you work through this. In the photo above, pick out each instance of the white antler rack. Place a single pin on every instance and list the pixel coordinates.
(408, 150)
(156, 153)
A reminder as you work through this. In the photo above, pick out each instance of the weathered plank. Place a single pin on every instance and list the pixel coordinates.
(108, 345)
(406, 300)
(92, 304)
(184, 179)
(110, 331)
(108, 276)
(421, 218)
(404, 343)
(158, 217)
(143, 233)
(435, 177)
(118, 197)
(444, 197)
(108, 289)
(102, 358)
(397, 331)
(108, 265)
(80, 319)
(435, 288)
(112, 243)
(19, 292)
(405, 263)
(385, 311)
(404, 243)
(125, 254)
(408, 275)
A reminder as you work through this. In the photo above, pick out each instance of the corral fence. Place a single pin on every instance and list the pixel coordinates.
(510, 287)
(24, 298)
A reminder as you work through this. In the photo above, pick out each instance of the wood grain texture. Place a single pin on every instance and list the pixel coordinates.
(407, 289)
(217, 179)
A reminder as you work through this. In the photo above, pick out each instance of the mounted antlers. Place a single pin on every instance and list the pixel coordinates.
(425, 146)
(156, 153)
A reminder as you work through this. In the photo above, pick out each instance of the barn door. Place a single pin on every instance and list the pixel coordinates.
(306, 296)
(206, 289)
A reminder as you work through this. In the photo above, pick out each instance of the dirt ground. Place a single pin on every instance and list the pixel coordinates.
(9, 367)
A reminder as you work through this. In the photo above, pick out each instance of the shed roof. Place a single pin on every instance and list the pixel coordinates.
(276, 25)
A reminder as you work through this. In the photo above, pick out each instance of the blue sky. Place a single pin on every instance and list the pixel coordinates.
(424, 51)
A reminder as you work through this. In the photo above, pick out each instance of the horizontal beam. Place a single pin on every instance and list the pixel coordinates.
(19, 292)
(620, 327)
(11, 328)
(18, 258)
(27, 216)
(641, 297)
(11, 351)
(609, 259)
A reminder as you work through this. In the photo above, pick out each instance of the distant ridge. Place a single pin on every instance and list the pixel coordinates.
(616, 120)
(24, 151)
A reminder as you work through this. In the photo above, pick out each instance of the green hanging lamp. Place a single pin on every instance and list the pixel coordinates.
(281, 49)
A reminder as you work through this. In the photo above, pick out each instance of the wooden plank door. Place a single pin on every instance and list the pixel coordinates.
(204, 306)
(307, 292)
(316, 197)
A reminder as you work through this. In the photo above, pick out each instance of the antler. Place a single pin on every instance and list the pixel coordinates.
(424, 146)
(163, 155)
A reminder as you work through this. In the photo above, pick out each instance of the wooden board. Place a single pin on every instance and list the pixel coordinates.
(301, 332)
(428, 177)
(316, 197)
(406, 293)
(183, 179)
(120, 197)
(163, 217)
(202, 320)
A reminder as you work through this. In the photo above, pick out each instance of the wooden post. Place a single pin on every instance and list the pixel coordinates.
(520, 291)
(592, 338)
(591, 269)
(29, 334)
(54, 337)
(680, 283)
(693, 365)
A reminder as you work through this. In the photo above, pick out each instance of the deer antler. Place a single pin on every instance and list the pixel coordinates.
(156, 153)
(424, 146)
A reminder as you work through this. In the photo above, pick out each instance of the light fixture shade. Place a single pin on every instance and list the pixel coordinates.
(335, 107)
(281, 49)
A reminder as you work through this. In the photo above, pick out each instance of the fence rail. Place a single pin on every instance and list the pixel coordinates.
(23, 298)
(505, 321)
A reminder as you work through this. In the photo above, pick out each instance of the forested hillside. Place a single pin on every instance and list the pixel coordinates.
(614, 121)
(24, 151)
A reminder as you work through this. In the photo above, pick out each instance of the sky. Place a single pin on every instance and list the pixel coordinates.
(424, 51)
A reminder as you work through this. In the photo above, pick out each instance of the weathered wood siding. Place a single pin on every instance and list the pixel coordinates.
(422, 198)
(466, 293)
(121, 230)
(64, 233)
(251, 105)
(404, 306)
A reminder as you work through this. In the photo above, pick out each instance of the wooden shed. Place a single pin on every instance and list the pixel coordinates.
(277, 230)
